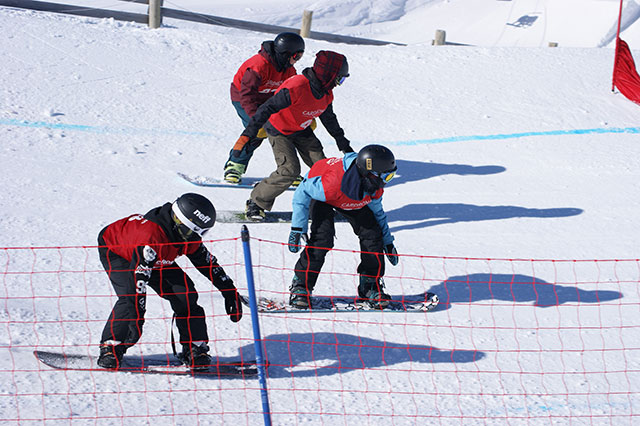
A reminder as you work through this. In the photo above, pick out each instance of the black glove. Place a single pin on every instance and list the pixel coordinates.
(392, 254)
(232, 304)
(294, 239)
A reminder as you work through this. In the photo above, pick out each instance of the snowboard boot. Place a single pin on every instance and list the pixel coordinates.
(371, 289)
(110, 355)
(254, 212)
(233, 172)
(196, 356)
(300, 297)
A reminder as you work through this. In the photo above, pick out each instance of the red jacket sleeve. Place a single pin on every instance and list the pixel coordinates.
(249, 86)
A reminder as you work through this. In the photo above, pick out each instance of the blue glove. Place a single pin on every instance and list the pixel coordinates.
(294, 239)
(392, 254)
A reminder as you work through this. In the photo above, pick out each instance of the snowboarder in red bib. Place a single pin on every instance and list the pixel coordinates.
(255, 82)
(287, 118)
(353, 186)
(139, 251)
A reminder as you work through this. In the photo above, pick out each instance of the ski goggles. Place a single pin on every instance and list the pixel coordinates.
(296, 56)
(188, 233)
(186, 228)
(385, 176)
(340, 79)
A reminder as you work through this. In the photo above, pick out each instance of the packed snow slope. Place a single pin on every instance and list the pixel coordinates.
(490, 23)
(504, 151)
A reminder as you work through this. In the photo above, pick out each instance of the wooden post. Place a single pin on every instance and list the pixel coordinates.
(155, 14)
(305, 29)
(441, 36)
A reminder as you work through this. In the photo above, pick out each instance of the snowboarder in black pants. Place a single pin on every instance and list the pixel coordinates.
(139, 251)
(353, 186)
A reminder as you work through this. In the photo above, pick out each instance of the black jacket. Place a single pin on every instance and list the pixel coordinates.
(202, 259)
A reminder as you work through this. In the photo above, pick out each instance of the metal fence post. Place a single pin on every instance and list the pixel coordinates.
(257, 340)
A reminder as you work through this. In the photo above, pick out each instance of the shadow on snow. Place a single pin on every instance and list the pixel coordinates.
(324, 354)
(411, 171)
(514, 288)
(440, 214)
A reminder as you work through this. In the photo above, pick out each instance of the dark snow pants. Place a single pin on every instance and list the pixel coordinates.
(170, 282)
(249, 148)
(323, 231)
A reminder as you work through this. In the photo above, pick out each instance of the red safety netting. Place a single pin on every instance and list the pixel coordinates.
(513, 341)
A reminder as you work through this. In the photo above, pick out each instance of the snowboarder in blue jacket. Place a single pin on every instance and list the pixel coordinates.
(352, 186)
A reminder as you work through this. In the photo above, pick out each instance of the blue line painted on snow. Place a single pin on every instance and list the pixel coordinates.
(602, 130)
(133, 130)
(101, 129)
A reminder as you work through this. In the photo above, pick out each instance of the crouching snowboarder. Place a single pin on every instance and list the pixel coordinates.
(353, 186)
(139, 251)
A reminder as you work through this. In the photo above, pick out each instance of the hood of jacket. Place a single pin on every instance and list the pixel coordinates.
(279, 61)
(327, 66)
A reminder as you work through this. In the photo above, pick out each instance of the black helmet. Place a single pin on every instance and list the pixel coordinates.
(288, 44)
(377, 159)
(193, 215)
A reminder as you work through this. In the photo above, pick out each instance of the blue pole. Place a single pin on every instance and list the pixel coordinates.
(257, 340)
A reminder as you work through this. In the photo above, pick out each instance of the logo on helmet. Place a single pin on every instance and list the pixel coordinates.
(203, 217)
(369, 164)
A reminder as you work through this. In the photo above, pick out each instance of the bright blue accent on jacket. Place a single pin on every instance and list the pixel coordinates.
(381, 217)
(313, 189)
(309, 189)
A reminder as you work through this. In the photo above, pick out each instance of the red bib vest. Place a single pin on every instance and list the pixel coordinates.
(332, 171)
(271, 78)
(124, 235)
(303, 109)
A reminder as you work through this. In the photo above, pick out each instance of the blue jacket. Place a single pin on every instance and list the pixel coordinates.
(313, 188)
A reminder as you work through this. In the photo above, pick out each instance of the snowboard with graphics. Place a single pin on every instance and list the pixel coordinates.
(151, 364)
(424, 303)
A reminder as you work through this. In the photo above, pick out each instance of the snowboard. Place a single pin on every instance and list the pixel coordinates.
(151, 364)
(212, 182)
(424, 303)
(236, 216)
(231, 216)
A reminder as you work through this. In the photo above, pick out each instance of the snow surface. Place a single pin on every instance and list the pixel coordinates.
(506, 150)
